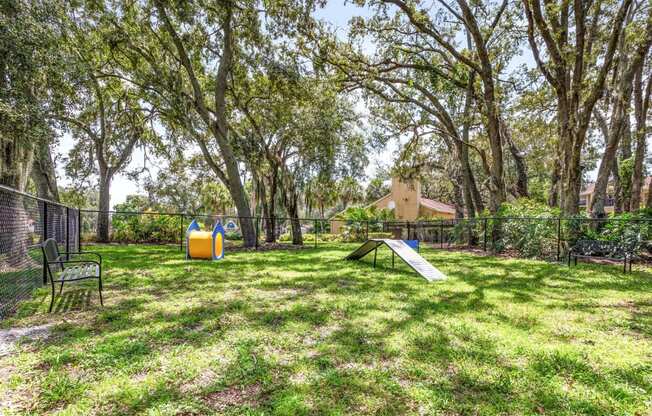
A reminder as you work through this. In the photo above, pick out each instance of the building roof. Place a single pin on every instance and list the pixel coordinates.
(376, 201)
(590, 187)
(588, 190)
(425, 202)
(437, 206)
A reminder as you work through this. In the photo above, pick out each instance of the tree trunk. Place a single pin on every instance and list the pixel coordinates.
(458, 200)
(553, 192)
(16, 159)
(268, 221)
(273, 189)
(620, 118)
(618, 189)
(625, 192)
(270, 224)
(237, 191)
(572, 183)
(637, 173)
(472, 198)
(297, 235)
(520, 187)
(291, 203)
(641, 104)
(104, 207)
(43, 173)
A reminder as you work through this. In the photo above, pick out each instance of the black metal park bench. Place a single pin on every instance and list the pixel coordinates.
(608, 250)
(61, 269)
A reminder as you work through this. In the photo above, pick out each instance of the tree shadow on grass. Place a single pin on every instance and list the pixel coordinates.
(354, 361)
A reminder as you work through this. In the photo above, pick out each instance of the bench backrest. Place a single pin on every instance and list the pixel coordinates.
(51, 253)
(602, 248)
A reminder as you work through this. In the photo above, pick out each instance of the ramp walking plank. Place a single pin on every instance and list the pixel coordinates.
(405, 252)
(364, 249)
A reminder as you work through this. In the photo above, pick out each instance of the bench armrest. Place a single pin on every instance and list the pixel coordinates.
(74, 261)
(83, 253)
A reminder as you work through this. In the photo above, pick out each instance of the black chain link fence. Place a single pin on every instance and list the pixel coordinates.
(25, 222)
(543, 238)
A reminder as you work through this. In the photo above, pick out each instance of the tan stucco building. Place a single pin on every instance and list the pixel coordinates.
(407, 203)
(586, 196)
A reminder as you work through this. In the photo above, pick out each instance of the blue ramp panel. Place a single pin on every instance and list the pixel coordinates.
(405, 252)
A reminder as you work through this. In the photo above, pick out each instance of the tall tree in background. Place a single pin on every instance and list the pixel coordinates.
(29, 64)
(104, 114)
(481, 35)
(628, 66)
(182, 56)
(108, 125)
(418, 59)
(576, 66)
(642, 91)
(350, 191)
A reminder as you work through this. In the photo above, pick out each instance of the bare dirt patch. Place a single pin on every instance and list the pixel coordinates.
(10, 337)
(235, 396)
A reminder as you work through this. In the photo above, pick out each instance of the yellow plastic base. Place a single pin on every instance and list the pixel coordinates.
(200, 245)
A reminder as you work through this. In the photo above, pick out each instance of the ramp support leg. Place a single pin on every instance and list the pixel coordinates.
(375, 254)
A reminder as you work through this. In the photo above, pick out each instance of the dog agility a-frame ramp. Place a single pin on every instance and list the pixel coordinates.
(405, 252)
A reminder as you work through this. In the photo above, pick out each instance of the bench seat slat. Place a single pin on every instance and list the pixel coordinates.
(80, 272)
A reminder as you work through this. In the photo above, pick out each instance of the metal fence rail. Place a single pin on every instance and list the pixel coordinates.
(26, 221)
(532, 237)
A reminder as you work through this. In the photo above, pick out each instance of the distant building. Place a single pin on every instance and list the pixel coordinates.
(586, 196)
(407, 203)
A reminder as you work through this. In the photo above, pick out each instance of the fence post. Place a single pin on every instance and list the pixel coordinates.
(44, 230)
(181, 232)
(441, 233)
(558, 239)
(79, 230)
(67, 233)
(468, 228)
(408, 230)
(484, 242)
(256, 231)
(316, 231)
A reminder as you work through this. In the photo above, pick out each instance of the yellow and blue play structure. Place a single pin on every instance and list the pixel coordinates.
(204, 244)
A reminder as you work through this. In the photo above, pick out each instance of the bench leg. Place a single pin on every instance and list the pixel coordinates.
(569, 259)
(100, 288)
(576, 260)
(61, 288)
(52, 299)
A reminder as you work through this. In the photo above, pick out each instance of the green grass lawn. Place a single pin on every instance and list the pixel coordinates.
(304, 332)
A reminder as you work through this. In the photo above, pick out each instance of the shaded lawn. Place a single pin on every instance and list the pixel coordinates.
(304, 332)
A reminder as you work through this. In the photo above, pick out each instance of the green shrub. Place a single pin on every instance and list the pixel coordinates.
(233, 235)
(533, 234)
(146, 228)
(362, 214)
(380, 235)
